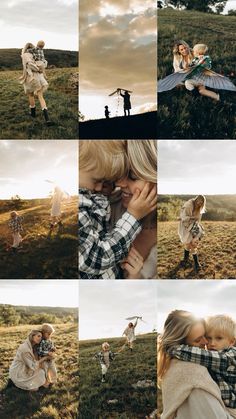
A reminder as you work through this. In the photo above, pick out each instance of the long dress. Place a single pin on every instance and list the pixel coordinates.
(33, 81)
(56, 202)
(186, 224)
(25, 371)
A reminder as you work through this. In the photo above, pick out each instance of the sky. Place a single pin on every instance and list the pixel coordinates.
(49, 293)
(117, 50)
(26, 167)
(54, 21)
(196, 167)
(105, 305)
(202, 298)
(231, 4)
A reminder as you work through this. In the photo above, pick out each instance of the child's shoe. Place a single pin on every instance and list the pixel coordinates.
(103, 379)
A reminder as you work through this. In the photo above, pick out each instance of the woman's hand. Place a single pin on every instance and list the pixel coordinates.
(133, 264)
(143, 202)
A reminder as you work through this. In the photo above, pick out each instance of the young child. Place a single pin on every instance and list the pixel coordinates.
(38, 55)
(15, 225)
(101, 250)
(46, 347)
(107, 112)
(220, 358)
(129, 332)
(104, 357)
(202, 61)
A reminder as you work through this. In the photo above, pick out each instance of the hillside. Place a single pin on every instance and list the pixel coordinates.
(180, 115)
(42, 255)
(62, 102)
(126, 369)
(135, 126)
(10, 58)
(59, 401)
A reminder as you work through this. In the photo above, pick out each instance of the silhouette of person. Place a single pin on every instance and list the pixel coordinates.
(107, 112)
(127, 103)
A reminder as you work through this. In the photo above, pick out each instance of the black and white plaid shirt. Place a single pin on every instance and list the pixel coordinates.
(38, 53)
(220, 364)
(100, 251)
(101, 358)
(44, 347)
(15, 224)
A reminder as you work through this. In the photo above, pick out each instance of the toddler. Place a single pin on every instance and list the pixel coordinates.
(46, 348)
(15, 225)
(104, 357)
(38, 55)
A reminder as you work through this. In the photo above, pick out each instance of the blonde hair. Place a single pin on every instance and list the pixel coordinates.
(27, 46)
(142, 155)
(46, 327)
(202, 208)
(177, 327)
(223, 324)
(178, 55)
(33, 333)
(105, 156)
(105, 346)
(40, 44)
(200, 49)
(13, 214)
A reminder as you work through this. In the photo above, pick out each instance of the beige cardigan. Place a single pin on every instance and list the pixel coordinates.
(180, 379)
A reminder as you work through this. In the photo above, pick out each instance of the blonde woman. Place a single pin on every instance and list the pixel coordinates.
(26, 370)
(190, 230)
(34, 82)
(182, 54)
(141, 262)
(188, 391)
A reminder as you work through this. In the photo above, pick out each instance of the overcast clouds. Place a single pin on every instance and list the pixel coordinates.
(203, 298)
(117, 49)
(24, 167)
(104, 306)
(197, 166)
(54, 21)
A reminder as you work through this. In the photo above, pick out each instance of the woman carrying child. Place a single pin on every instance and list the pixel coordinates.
(33, 81)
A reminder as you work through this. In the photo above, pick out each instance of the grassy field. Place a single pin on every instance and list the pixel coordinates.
(62, 103)
(216, 251)
(42, 255)
(179, 114)
(126, 369)
(61, 400)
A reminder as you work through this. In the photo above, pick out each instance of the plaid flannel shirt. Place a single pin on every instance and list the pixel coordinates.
(15, 224)
(220, 364)
(201, 64)
(101, 250)
(44, 347)
(101, 359)
(38, 53)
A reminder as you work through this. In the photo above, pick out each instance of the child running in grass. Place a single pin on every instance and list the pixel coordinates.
(101, 250)
(47, 348)
(220, 358)
(129, 333)
(104, 357)
(15, 225)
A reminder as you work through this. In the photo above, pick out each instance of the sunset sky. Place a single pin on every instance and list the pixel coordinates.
(117, 49)
(26, 167)
(197, 167)
(54, 21)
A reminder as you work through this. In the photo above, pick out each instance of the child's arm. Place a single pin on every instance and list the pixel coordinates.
(214, 360)
(98, 252)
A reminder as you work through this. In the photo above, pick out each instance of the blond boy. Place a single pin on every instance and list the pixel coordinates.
(47, 348)
(105, 356)
(101, 250)
(38, 55)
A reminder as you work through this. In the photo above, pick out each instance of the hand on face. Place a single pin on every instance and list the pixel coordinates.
(143, 202)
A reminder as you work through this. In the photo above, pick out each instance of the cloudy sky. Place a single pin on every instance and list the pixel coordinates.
(197, 167)
(54, 21)
(104, 306)
(117, 49)
(50, 293)
(231, 4)
(26, 167)
(202, 298)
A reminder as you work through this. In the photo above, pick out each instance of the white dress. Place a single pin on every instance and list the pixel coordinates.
(56, 203)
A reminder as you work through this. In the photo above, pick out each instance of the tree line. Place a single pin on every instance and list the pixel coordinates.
(206, 6)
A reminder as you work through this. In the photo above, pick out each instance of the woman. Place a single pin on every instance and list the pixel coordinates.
(26, 371)
(34, 82)
(141, 262)
(188, 391)
(190, 231)
(183, 55)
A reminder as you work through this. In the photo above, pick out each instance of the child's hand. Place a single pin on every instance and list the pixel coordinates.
(142, 203)
(133, 264)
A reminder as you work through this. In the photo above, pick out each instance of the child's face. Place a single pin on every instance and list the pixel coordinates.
(197, 52)
(90, 180)
(218, 341)
(46, 335)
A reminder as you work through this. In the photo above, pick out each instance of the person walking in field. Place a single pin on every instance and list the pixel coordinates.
(15, 225)
(129, 333)
(127, 102)
(105, 356)
(34, 81)
(56, 213)
(190, 230)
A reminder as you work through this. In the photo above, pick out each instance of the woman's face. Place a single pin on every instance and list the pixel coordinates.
(128, 186)
(196, 337)
(183, 50)
(199, 202)
(36, 339)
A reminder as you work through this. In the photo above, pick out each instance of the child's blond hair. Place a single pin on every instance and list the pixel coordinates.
(105, 346)
(48, 328)
(14, 214)
(201, 49)
(106, 157)
(40, 44)
(223, 324)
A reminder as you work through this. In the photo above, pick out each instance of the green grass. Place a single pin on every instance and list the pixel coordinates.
(42, 255)
(61, 400)
(179, 114)
(62, 102)
(126, 369)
